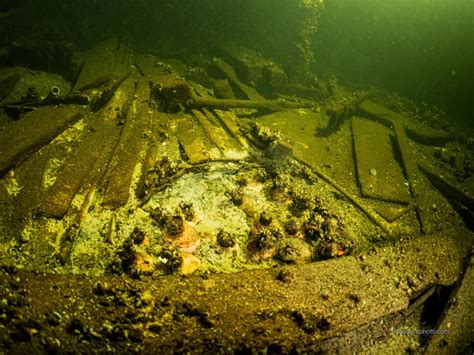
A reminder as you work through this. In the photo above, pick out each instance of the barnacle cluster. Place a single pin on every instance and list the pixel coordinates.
(258, 216)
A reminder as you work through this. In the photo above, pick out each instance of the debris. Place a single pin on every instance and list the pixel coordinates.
(342, 110)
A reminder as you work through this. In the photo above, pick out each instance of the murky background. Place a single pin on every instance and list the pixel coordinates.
(422, 49)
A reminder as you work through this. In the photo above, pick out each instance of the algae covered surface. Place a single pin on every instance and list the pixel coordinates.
(255, 176)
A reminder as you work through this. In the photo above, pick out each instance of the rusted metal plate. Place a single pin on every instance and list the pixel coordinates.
(379, 174)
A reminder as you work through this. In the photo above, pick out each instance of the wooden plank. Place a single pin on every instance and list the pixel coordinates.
(193, 140)
(148, 176)
(230, 74)
(252, 66)
(356, 201)
(416, 131)
(86, 165)
(129, 149)
(123, 58)
(168, 146)
(7, 84)
(25, 137)
(225, 104)
(30, 177)
(414, 179)
(232, 149)
(223, 90)
(98, 62)
(230, 122)
(378, 173)
(219, 136)
(149, 67)
(107, 61)
(163, 144)
(391, 212)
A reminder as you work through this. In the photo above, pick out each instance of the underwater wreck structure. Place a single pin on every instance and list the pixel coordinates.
(220, 198)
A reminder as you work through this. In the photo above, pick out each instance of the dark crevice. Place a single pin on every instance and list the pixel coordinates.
(435, 305)
(465, 213)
